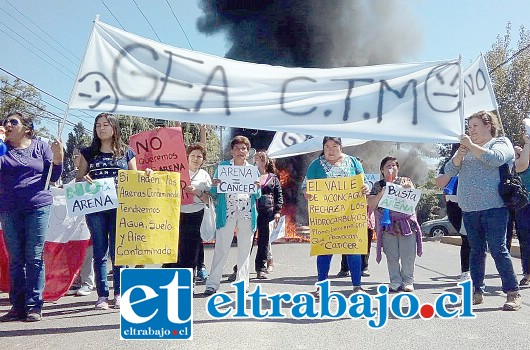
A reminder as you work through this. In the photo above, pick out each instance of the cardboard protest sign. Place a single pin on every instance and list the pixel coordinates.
(147, 224)
(237, 179)
(338, 216)
(85, 198)
(163, 149)
(400, 199)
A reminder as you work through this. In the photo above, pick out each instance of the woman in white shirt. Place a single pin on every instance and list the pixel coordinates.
(191, 214)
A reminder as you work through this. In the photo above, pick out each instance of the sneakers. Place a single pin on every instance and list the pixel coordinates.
(13, 315)
(233, 276)
(478, 298)
(34, 315)
(394, 289)
(343, 273)
(117, 301)
(525, 281)
(270, 265)
(102, 303)
(465, 276)
(408, 287)
(202, 275)
(358, 289)
(513, 301)
(209, 291)
(261, 275)
(365, 273)
(84, 291)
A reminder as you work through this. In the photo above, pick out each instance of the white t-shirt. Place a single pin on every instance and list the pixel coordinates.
(202, 181)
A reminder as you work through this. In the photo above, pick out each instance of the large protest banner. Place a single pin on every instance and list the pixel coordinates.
(400, 199)
(147, 227)
(237, 179)
(163, 149)
(85, 198)
(125, 73)
(338, 216)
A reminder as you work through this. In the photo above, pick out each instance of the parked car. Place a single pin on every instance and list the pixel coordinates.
(438, 228)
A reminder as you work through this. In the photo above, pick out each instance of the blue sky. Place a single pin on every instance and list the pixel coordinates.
(448, 28)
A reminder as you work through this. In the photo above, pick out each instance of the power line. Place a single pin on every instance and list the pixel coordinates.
(112, 14)
(47, 103)
(509, 59)
(44, 92)
(147, 20)
(36, 54)
(183, 31)
(38, 36)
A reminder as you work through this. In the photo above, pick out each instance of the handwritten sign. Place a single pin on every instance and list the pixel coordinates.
(400, 199)
(147, 224)
(409, 102)
(277, 231)
(163, 149)
(237, 179)
(337, 216)
(371, 179)
(85, 198)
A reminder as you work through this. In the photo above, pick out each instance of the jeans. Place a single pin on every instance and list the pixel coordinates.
(24, 234)
(365, 257)
(264, 217)
(488, 228)
(465, 250)
(523, 233)
(102, 226)
(354, 263)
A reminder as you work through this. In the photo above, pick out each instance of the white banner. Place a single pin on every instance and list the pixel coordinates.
(310, 145)
(85, 198)
(397, 198)
(124, 73)
(237, 179)
(478, 91)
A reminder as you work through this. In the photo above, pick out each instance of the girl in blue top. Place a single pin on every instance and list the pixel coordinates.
(103, 159)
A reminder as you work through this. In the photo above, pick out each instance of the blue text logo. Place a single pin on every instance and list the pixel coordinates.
(156, 304)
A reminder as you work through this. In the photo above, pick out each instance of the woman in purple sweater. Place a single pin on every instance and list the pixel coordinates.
(24, 212)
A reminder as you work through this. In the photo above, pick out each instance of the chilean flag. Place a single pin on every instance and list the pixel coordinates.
(67, 239)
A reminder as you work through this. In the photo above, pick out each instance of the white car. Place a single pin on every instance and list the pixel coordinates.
(438, 228)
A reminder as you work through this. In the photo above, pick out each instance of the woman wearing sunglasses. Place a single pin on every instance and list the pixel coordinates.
(25, 211)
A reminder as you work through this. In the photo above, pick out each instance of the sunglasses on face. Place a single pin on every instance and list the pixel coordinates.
(13, 122)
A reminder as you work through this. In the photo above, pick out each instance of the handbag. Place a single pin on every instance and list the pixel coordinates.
(208, 222)
(511, 189)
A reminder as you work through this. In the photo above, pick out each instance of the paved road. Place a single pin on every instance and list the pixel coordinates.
(72, 323)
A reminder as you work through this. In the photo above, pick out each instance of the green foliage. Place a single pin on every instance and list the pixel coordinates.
(511, 80)
(17, 96)
(77, 139)
(430, 204)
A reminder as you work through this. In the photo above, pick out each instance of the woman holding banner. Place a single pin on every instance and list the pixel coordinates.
(102, 159)
(269, 207)
(400, 236)
(477, 163)
(25, 212)
(234, 210)
(191, 214)
(333, 163)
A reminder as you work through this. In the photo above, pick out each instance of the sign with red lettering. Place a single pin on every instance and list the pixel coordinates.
(163, 149)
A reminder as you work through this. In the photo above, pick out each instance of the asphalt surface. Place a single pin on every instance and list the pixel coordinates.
(72, 322)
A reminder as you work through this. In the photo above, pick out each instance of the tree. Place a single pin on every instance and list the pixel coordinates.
(77, 139)
(17, 96)
(510, 73)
